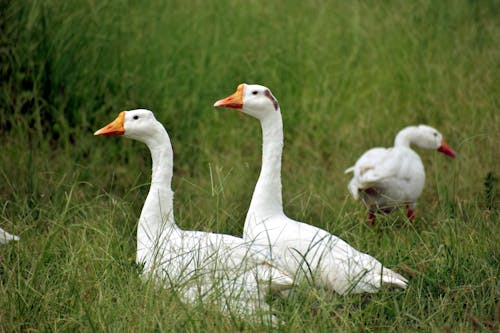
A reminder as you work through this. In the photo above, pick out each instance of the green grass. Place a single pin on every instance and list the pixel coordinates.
(348, 76)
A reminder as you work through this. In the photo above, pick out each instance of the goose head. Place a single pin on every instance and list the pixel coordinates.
(252, 99)
(430, 138)
(137, 124)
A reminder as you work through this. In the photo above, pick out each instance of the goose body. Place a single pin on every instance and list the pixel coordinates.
(388, 178)
(304, 250)
(5, 237)
(202, 266)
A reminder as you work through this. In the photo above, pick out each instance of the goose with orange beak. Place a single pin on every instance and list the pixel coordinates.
(201, 266)
(308, 252)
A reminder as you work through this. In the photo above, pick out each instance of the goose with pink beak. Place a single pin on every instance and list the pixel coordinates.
(388, 178)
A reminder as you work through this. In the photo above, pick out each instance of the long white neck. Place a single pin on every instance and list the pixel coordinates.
(267, 199)
(157, 215)
(405, 136)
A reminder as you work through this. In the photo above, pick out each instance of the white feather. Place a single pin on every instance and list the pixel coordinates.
(386, 178)
(5, 237)
(202, 266)
(304, 250)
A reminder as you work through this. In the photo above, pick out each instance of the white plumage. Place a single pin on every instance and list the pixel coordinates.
(387, 178)
(311, 252)
(5, 237)
(202, 266)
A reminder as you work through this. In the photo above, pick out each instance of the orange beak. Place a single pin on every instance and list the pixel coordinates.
(113, 128)
(445, 149)
(235, 101)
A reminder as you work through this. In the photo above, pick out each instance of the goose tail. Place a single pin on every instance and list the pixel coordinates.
(393, 279)
(5, 237)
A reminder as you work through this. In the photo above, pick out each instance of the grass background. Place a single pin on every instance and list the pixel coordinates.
(348, 76)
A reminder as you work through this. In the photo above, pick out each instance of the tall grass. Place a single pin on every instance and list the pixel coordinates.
(348, 76)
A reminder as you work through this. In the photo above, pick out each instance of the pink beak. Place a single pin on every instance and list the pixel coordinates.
(445, 149)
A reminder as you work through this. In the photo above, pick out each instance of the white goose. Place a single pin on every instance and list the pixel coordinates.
(5, 237)
(300, 248)
(203, 266)
(387, 178)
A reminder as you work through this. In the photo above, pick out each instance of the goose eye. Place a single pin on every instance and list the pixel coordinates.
(135, 117)
(435, 134)
(255, 92)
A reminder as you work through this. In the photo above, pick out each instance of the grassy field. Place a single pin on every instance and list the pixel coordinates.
(348, 75)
